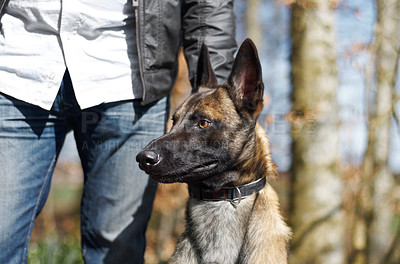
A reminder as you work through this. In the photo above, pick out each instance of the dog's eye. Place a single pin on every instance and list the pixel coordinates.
(204, 123)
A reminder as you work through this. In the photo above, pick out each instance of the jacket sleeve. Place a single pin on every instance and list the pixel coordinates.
(212, 22)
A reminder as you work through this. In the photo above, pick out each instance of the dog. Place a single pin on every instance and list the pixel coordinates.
(218, 148)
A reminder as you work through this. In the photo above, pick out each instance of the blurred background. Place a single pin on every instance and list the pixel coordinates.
(332, 106)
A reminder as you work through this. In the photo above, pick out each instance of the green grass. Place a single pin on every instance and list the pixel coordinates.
(53, 250)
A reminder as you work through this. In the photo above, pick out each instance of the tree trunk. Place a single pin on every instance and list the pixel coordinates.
(377, 203)
(316, 209)
(387, 60)
(253, 26)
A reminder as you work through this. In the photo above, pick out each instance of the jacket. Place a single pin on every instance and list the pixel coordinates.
(163, 26)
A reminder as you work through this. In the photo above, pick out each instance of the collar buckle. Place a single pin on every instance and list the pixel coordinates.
(236, 201)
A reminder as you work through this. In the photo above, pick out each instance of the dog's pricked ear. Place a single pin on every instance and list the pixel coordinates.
(205, 76)
(245, 82)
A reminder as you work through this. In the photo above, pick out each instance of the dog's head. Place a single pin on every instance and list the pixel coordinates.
(213, 129)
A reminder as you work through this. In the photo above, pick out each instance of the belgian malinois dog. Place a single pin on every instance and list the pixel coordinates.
(217, 147)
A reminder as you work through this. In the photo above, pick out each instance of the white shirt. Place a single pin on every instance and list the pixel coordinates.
(42, 38)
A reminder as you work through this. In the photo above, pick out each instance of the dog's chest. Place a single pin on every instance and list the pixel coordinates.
(218, 229)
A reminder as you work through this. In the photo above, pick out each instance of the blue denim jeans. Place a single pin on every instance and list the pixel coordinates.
(117, 196)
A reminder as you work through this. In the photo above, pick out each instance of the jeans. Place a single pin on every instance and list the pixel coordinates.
(117, 196)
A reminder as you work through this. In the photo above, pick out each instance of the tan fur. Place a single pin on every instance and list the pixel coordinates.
(268, 235)
(211, 106)
(266, 151)
(263, 153)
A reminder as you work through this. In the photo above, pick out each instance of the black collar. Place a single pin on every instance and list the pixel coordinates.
(235, 193)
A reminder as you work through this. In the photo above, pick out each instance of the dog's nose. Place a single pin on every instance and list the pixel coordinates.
(148, 158)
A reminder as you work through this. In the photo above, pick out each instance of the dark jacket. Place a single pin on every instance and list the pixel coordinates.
(162, 26)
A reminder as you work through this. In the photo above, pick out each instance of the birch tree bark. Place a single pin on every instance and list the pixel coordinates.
(387, 60)
(253, 26)
(316, 212)
(377, 201)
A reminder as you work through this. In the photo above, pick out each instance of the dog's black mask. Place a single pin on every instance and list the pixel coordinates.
(212, 127)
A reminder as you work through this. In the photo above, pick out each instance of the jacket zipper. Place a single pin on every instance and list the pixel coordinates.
(135, 4)
(2, 4)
